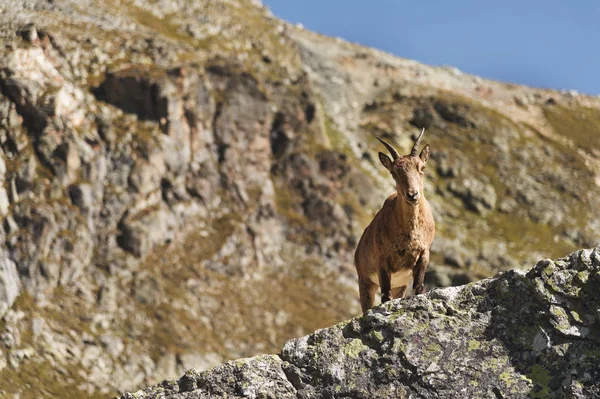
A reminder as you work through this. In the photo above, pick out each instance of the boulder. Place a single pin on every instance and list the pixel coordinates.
(519, 334)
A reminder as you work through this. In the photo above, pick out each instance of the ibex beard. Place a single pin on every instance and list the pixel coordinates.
(394, 248)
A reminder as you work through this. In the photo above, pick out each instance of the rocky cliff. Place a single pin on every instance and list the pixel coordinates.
(184, 182)
(520, 334)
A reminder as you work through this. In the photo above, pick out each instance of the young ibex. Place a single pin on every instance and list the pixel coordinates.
(395, 246)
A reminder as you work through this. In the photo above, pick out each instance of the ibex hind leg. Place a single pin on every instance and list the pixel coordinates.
(419, 273)
(367, 290)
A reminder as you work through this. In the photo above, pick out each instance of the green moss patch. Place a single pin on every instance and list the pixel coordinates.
(540, 377)
(35, 380)
(579, 124)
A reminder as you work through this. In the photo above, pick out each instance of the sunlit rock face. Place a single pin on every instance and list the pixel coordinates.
(184, 183)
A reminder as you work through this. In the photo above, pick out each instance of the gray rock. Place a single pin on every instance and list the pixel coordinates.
(10, 284)
(516, 335)
(3, 362)
(113, 345)
(147, 289)
(4, 202)
(11, 338)
(140, 232)
(82, 196)
(166, 367)
(259, 377)
(37, 326)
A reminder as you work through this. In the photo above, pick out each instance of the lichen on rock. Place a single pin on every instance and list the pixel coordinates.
(519, 334)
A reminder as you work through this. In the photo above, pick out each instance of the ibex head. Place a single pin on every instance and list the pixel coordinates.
(407, 170)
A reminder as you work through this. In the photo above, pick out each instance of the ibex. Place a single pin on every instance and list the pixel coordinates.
(395, 246)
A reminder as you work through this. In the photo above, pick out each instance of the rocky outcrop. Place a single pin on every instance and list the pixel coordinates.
(517, 335)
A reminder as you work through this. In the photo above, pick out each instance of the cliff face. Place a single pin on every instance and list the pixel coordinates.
(184, 182)
(529, 334)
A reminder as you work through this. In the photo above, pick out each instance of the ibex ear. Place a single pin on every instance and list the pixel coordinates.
(424, 155)
(385, 160)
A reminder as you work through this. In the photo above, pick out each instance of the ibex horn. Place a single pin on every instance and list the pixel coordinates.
(391, 149)
(416, 145)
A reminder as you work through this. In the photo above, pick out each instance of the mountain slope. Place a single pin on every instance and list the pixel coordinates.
(184, 182)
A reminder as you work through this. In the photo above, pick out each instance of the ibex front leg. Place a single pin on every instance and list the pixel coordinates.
(367, 290)
(419, 273)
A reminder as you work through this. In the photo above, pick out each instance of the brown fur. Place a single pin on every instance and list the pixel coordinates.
(398, 239)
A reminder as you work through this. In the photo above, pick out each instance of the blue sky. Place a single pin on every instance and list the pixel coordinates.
(541, 43)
